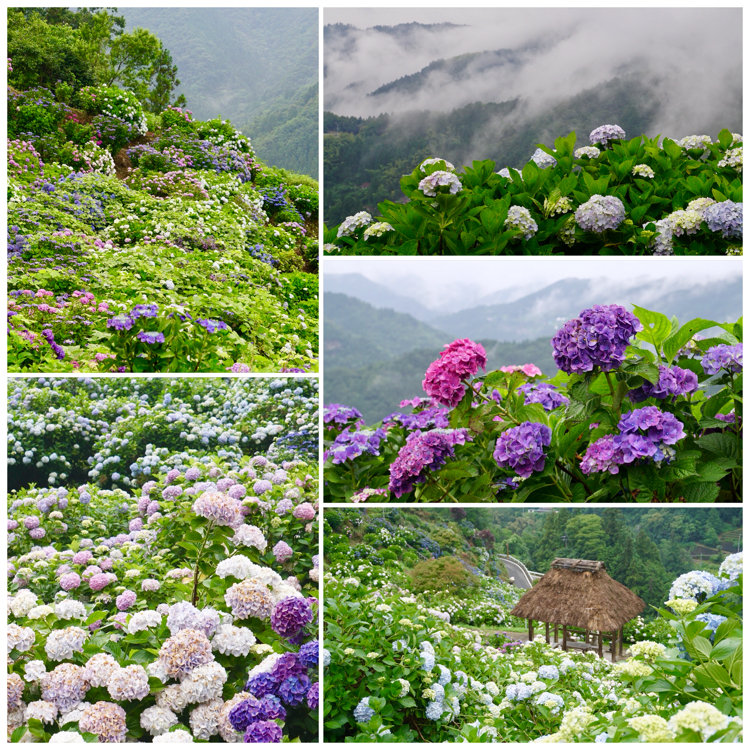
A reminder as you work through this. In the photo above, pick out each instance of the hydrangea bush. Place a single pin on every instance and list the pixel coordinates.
(107, 221)
(175, 599)
(617, 196)
(642, 409)
(402, 668)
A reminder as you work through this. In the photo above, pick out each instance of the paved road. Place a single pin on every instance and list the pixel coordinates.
(522, 579)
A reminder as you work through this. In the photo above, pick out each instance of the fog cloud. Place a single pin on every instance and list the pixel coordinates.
(689, 57)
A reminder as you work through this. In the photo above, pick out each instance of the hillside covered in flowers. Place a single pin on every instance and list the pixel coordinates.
(162, 553)
(139, 238)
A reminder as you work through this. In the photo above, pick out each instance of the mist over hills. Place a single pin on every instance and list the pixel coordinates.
(379, 344)
(509, 79)
(256, 66)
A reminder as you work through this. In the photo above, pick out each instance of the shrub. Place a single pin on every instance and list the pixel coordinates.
(441, 574)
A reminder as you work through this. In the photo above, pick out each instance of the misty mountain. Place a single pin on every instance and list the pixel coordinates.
(256, 66)
(541, 312)
(374, 358)
(358, 334)
(378, 295)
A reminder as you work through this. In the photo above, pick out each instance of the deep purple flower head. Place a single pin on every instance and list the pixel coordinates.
(287, 665)
(650, 421)
(598, 337)
(428, 418)
(262, 684)
(271, 708)
(309, 654)
(263, 731)
(313, 696)
(544, 394)
(293, 690)
(424, 452)
(290, 615)
(459, 360)
(121, 322)
(144, 311)
(673, 381)
(340, 414)
(245, 713)
(522, 448)
(723, 357)
(212, 325)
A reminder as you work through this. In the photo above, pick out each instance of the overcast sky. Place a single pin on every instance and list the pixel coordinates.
(691, 56)
(458, 282)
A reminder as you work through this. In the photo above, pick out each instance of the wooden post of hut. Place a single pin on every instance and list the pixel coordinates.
(613, 647)
(531, 629)
(546, 632)
(601, 646)
(565, 638)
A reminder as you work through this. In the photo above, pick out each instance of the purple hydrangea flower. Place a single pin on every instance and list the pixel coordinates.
(212, 325)
(144, 311)
(724, 217)
(125, 600)
(599, 213)
(522, 448)
(313, 696)
(150, 337)
(338, 414)
(262, 684)
(423, 453)
(121, 322)
(293, 690)
(309, 654)
(673, 381)
(544, 394)
(261, 486)
(598, 337)
(245, 713)
(282, 551)
(606, 133)
(287, 665)
(723, 357)
(263, 731)
(290, 615)
(350, 444)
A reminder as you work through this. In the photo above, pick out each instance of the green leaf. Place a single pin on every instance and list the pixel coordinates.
(725, 648)
(701, 492)
(702, 645)
(656, 326)
(679, 338)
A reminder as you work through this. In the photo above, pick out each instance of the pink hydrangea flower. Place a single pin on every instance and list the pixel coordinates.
(304, 511)
(282, 551)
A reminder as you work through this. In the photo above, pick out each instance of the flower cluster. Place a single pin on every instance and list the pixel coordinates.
(424, 452)
(521, 448)
(461, 359)
(600, 213)
(598, 337)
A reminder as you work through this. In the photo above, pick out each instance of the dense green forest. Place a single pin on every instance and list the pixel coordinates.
(256, 66)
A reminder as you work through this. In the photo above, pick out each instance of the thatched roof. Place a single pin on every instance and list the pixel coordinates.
(579, 593)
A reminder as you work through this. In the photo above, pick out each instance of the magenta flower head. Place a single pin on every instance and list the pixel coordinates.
(126, 600)
(598, 337)
(459, 360)
(282, 551)
(522, 448)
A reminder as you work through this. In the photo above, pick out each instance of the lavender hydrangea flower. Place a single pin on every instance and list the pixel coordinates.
(606, 133)
(424, 452)
(337, 414)
(520, 218)
(544, 394)
(263, 731)
(435, 182)
(725, 217)
(723, 357)
(121, 322)
(673, 381)
(150, 337)
(349, 444)
(542, 159)
(521, 448)
(600, 213)
(598, 337)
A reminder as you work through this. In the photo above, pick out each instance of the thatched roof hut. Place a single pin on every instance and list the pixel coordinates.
(579, 594)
